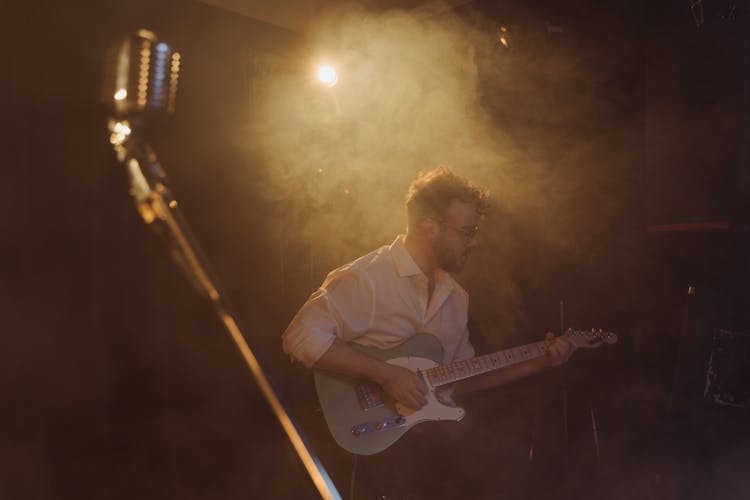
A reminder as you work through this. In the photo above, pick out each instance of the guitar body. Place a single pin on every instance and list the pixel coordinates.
(361, 418)
(364, 421)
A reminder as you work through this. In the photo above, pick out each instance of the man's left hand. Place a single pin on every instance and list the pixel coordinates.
(559, 349)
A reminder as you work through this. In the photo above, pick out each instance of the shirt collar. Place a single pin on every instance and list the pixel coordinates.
(403, 260)
(406, 266)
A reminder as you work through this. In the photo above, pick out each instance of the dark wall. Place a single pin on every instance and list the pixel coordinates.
(696, 169)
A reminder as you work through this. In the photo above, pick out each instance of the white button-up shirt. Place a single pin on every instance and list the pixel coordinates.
(380, 300)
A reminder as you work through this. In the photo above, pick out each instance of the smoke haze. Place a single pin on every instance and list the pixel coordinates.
(418, 90)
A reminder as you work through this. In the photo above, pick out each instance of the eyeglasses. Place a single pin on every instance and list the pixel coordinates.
(469, 233)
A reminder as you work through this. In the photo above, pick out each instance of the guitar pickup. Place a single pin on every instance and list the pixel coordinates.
(384, 424)
(369, 396)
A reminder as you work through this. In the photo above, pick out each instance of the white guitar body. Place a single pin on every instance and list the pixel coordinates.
(434, 409)
(360, 416)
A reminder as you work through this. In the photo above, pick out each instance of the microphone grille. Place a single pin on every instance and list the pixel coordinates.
(141, 75)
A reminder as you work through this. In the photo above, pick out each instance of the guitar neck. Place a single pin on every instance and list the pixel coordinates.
(461, 370)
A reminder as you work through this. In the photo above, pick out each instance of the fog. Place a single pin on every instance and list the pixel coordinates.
(534, 122)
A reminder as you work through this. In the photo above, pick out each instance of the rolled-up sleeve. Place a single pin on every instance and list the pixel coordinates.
(342, 307)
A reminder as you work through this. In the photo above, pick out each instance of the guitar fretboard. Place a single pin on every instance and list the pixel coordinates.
(460, 370)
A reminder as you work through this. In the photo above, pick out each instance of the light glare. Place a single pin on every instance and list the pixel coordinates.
(121, 94)
(504, 37)
(328, 75)
(120, 132)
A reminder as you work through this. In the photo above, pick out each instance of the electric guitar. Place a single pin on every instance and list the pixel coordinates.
(364, 421)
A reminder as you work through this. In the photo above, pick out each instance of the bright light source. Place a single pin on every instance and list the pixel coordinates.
(504, 37)
(122, 128)
(120, 132)
(121, 94)
(328, 75)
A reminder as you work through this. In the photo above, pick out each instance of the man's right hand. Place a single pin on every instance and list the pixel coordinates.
(402, 385)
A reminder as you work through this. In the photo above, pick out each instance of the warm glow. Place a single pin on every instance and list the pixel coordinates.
(504, 38)
(328, 75)
(122, 128)
(121, 94)
(120, 132)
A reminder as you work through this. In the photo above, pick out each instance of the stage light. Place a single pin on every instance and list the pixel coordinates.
(504, 37)
(328, 75)
(121, 94)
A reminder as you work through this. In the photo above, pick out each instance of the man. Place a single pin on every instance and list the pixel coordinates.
(396, 291)
(386, 296)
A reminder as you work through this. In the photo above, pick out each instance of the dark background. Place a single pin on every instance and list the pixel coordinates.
(118, 382)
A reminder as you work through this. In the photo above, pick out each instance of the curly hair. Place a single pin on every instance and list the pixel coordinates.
(432, 191)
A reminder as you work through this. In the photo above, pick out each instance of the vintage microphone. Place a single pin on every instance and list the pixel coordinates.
(140, 84)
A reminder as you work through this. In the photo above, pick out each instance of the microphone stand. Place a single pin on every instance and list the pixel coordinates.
(159, 209)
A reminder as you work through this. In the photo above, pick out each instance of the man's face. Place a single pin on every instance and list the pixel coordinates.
(457, 236)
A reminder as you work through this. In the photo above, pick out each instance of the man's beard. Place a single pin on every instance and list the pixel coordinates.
(450, 261)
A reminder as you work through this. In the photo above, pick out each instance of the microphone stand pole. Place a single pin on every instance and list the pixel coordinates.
(159, 209)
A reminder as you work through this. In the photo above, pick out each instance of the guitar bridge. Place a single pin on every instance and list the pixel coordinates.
(369, 396)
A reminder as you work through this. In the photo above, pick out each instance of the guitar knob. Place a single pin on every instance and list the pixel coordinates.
(356, 430)
(379, 425)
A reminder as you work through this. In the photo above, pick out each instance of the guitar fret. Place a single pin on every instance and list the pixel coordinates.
(446, 374)
(441, 375)
(538, 346)
(479, 365)
(495, 359)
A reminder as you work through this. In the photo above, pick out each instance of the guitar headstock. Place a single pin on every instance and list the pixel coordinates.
(589, 339)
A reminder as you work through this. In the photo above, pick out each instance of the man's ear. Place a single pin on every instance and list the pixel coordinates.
(430, 228)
